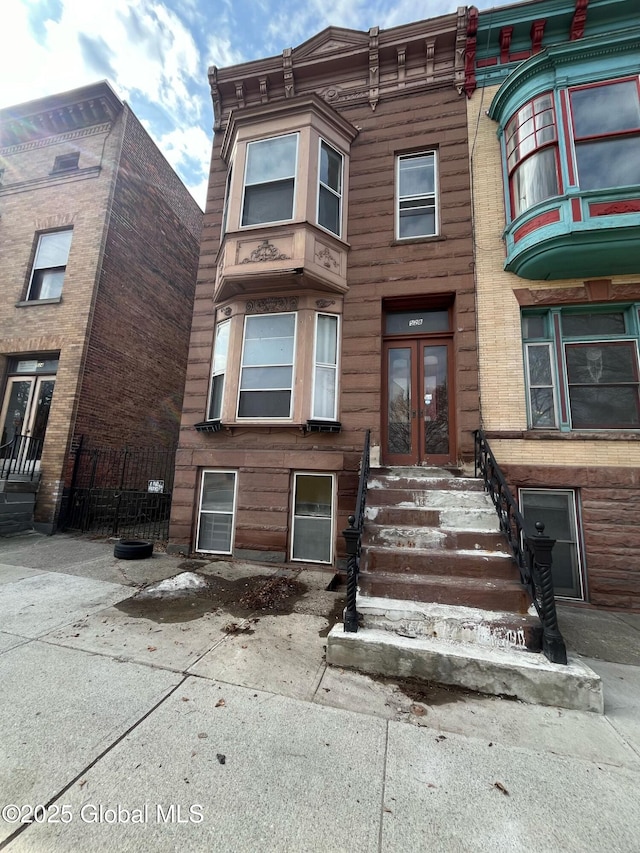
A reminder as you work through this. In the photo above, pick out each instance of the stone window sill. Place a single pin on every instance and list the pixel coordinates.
(26, 303)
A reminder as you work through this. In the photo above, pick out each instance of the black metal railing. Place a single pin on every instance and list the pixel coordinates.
(530, 547)
(20, 457)
(120, 491)
(353, 539)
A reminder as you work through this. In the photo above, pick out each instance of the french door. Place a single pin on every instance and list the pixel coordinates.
(26, 406)
(418, 405)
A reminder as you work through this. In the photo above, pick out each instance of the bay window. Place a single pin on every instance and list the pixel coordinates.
(220, 349)
(325, 379)
(330, 189)
(266, 374)
(269, 182)
(581, 368)
(532, 154)
(606, 129)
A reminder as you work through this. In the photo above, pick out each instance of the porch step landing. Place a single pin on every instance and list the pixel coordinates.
(529, 677)
(440, 597)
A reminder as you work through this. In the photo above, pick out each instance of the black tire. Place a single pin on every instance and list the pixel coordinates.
(132, 549)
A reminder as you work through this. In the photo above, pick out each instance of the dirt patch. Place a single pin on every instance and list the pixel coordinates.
(240, 598)
(429, 692)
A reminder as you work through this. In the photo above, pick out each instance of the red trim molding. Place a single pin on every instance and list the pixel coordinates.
(537, 222)
(608, 208)
(579, 20)
(470, 53)
(505, 43)
(576, 209)
(537, 31)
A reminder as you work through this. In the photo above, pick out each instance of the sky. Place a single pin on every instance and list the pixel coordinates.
(156, 54)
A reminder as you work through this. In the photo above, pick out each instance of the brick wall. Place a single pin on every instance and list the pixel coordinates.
(32, 202)
(136, 357)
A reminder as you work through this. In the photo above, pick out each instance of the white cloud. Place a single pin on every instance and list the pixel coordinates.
(143, 47)
(188, 151)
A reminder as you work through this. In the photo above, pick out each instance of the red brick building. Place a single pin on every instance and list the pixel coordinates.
(99, 247)
(335, 291)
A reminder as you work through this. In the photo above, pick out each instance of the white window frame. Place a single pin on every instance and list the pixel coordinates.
(324, 474)
(322, 185)
(202, 512)
(260, 418)
(227, 201)
(325, 366)
(40, 268)
(293, 176)
(417, 197)
(577, 527)
(219, 365)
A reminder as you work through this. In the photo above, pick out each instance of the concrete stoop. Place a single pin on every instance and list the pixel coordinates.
(494, 629)
(524, 675)
(440, 597)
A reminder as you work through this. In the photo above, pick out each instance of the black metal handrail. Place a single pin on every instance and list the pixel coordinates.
(353, 539)
(531, 550)
(20, 456)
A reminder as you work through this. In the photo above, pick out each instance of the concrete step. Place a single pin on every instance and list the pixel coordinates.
(416, 536)
(430, 499)
(447, 518)
(489, 594)
(523, 675)
(497, 629)
(410, 482)
(426, 563)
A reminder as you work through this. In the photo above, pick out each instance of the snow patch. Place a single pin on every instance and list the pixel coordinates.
(184, 582)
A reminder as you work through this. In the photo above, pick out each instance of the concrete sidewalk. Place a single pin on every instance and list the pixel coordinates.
(210, 722)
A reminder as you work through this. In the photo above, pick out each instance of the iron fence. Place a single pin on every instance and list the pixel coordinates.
(120, 492)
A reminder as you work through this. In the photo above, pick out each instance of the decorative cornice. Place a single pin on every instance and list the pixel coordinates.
(272, 305)
(56, 140)
(556, 55)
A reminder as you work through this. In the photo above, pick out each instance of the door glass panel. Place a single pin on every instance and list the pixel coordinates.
(436, 401)
(43, 407)
(399, 401)
(14, 422)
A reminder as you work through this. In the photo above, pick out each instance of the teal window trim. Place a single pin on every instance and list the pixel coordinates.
(550, 332)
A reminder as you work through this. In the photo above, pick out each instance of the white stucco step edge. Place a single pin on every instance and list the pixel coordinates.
(527, 676)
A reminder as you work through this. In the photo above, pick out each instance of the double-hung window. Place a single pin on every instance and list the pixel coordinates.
(227, 199)
(330, 189)
(325, 378)
(220, 350)
(417, 204)
(581, 368)
(532, 154)
(557, 509)
(216, 512)
(312, 537)
(270, 178)
(266, 374)
(49, 266)
(606, 129)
